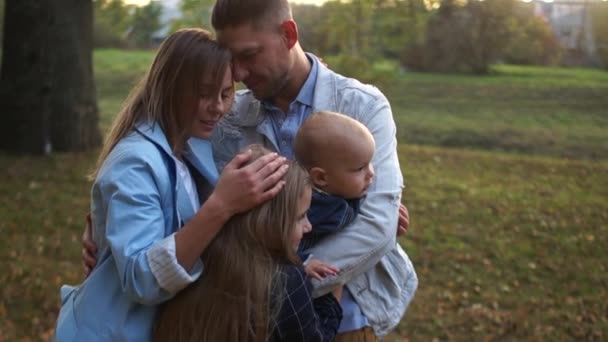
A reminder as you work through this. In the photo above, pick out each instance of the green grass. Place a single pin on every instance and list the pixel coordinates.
(116, 72)
(508, 246)
(532, 110)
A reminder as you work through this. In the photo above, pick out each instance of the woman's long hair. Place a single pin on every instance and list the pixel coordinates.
(169, 92)
(236, 297)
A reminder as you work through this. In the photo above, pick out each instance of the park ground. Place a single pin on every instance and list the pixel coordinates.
(506, 183)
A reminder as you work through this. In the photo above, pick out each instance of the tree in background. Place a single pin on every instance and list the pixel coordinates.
(599, 17)
(400, 24)
(120, 25)
(195, 13)
(347, 27)
(112, 20)
(146, 21)
(532, 40)
(310, 19)
(1, 23)
(47, 92)
(466, 36)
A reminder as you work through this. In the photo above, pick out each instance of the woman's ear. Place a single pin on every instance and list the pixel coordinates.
(290, 32)
(318, 177)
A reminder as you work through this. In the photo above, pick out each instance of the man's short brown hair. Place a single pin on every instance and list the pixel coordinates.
(231, 13)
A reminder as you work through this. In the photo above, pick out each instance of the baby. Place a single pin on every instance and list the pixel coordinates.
(336, 150)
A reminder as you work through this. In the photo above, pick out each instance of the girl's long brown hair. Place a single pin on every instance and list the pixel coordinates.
(169, 92)
(236, 297)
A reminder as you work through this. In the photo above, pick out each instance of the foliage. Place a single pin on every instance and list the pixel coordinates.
(532, 40)
(120, 25)
(340, 29)
(146, 21)
(112, 21)
(599, 17)
(195, 13)
(398, 25)
(310, 19)
(380, 73)
(466, 36)
(368, 29)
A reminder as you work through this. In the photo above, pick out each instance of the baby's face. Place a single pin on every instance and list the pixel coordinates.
(350, 173)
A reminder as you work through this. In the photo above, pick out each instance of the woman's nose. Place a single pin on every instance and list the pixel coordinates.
(217, 105)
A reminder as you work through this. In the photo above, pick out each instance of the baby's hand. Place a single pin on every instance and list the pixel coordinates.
(318, 269)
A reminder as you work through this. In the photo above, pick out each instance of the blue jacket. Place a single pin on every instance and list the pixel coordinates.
(137, 202)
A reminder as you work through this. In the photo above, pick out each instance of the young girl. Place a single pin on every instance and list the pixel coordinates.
(254, 287)
(143, 193)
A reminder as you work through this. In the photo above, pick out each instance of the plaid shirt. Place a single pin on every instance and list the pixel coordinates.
(302, 318)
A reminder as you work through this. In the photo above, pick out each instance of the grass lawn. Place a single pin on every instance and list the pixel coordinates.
(532, 110)
(507, 245)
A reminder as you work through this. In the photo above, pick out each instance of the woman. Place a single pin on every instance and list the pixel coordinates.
(149, 226)
(254, 287)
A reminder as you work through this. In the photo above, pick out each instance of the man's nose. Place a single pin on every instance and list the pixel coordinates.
(370, 172)
(239, 72)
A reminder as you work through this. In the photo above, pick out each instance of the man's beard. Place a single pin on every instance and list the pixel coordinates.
(274, 89)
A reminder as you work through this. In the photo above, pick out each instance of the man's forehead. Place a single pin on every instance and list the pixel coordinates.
(232, 34)
(240, 45)
(240, 38)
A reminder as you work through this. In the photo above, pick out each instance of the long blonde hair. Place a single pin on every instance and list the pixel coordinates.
(169, 92)
(236, 297)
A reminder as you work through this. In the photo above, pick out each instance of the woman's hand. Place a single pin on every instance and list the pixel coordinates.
(242, 187)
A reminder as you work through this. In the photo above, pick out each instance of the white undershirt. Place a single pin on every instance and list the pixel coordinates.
(162, 257)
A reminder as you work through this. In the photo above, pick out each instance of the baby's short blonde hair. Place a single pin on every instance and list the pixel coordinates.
(324, 135)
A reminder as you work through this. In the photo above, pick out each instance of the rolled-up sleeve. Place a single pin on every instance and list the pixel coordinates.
(372, 234)
(170, 275)
(135, 231)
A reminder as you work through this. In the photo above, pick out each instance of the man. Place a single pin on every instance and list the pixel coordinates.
(285, 85)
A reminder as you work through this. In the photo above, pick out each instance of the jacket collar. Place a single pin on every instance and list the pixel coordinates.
(325, 90)
(153, 132)
(198, 151)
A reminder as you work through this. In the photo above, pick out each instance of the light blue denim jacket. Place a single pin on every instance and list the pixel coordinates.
(137, 202)
(373, 266)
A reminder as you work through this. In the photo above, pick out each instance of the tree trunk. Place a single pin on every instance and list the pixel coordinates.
(47, 91)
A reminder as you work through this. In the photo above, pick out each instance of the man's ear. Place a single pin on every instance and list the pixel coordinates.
(290, 32)
(318, 177)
